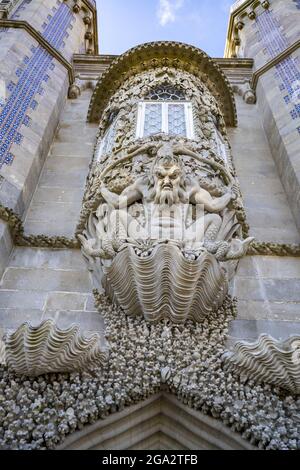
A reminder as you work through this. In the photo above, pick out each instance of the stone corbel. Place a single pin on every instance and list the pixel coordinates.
(80, 84)
(238, 26)
(88, 16)
(76, 6)
(251, 13)
(74, 90)
(246, 91)
(238, 19)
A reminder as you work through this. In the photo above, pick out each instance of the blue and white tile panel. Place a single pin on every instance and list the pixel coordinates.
(28, 84)
(287, 71)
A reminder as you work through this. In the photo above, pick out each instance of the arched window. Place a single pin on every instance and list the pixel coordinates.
(108, 140)
(165, 109)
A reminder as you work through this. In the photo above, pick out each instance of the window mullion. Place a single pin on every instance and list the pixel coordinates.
(165, 122)
(189, 120)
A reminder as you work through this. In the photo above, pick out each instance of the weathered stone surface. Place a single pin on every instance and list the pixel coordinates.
(46, 279)
(6, 245)
(252, 329)
(47, 258)
(266, 204)
(66, 301)
(55, 206)
(268, 289)
(17, 299)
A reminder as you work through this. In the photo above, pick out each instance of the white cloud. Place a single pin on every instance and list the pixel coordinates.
(167, 10)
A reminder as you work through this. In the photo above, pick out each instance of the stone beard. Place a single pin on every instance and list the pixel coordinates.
(166, 198)
(168, 177)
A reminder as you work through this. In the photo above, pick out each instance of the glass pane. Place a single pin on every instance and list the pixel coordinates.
(176, 119)
(166, 93)
(153, 119)
(109, 139)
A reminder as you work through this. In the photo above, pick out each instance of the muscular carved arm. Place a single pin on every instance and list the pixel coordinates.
(126, 198)
(217, 204)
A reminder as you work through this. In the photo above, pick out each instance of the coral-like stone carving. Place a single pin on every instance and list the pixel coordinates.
(145, 359)
(34, 351)
(268, 360)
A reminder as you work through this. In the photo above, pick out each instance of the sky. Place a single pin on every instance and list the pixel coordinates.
(126, 23)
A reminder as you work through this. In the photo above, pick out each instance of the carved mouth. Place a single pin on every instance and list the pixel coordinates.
(167, 186)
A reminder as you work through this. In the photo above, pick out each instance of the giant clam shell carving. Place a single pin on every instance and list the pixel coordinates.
(268, 360)
(166, 284)
(44, 349)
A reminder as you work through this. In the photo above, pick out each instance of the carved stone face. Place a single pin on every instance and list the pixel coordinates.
(167, 176)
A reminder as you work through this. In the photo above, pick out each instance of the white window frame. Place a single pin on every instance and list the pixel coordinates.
(103, 140)
(188, 112)
(221, 146)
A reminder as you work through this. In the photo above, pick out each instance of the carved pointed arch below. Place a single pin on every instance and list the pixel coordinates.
(160, 422)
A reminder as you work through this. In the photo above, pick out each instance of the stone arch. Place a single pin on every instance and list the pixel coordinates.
(159, 54)
(160, 422)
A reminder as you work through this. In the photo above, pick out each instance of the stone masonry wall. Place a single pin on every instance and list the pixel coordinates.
(264, 38)
(41, 283)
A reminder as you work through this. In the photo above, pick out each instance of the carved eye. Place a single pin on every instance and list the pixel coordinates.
(174, 175)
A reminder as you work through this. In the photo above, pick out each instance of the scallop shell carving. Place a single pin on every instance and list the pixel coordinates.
(44, 349)
(166, 284)
(268, 360)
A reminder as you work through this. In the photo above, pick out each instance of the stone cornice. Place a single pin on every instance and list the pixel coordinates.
(269, 65)
(157, 54)
(92, 66)
(232, 62)
(16, 24)
(93, 61)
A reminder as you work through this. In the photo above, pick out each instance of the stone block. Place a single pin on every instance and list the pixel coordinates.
(11, 319)
(46, 280)
(252, 329)
(259, 310)
(282, 289)
(59, 195)
(249, 289)
(66, 301)
(66, 178)
(47, 259)
(18, 299)
(277, 267)
(80, 148)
